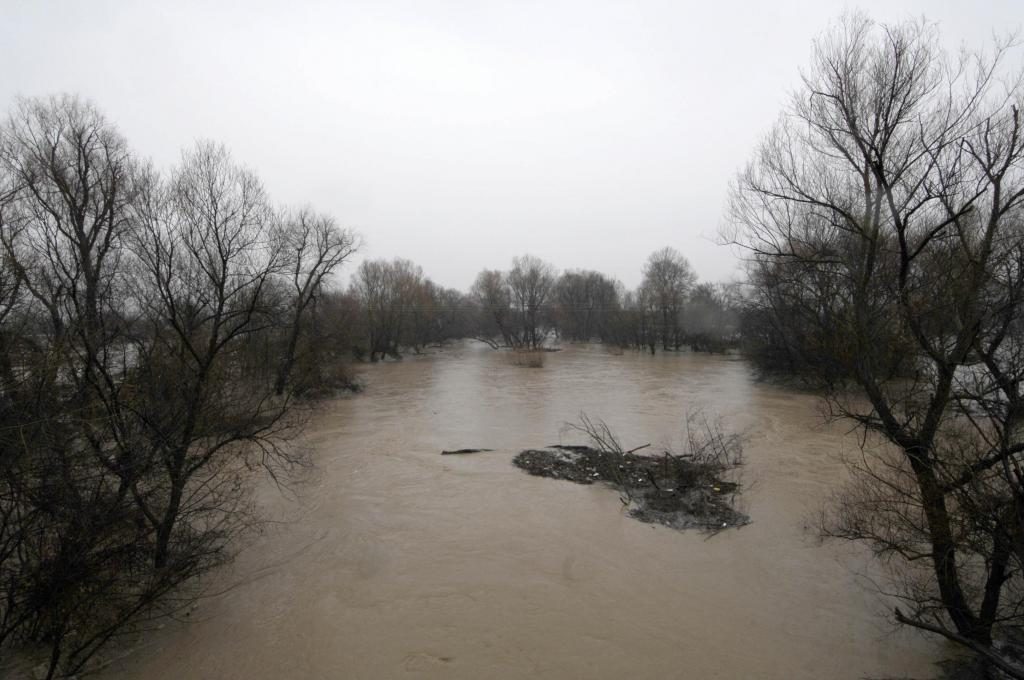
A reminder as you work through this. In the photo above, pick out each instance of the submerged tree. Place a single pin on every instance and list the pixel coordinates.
(515, 308)
(585, 303)
(884, 218)
(403, 309)
(668, 279)
(711, 317)
(493, 301)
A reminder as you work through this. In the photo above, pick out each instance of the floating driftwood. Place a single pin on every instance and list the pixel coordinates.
(461, 451)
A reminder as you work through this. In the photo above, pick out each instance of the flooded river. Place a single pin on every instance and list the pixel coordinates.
(398, 562)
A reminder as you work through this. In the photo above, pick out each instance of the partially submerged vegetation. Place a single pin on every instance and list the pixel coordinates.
(697, 488)
(391, 308)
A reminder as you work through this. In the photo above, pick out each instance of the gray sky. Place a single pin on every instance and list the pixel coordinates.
(459, 134)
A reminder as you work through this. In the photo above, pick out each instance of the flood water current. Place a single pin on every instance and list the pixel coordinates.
(397, 562)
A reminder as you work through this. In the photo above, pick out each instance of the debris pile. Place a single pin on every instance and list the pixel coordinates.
(696, 489)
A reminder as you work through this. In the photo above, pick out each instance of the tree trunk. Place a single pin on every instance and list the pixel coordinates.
(163, 534)
(944, 551)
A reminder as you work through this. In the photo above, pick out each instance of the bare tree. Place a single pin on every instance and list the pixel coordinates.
(493, 299)
(133, 405)
(585, 301)
(711, 318)
(206, 258)
(68, 539)
(72, 181)
(74, 551)
(667, 281)
(389, 293)
(883, 215)
(312, 248)
(531, 284)
(436, 316)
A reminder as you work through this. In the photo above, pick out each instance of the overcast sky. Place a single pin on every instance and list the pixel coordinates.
(459, 134)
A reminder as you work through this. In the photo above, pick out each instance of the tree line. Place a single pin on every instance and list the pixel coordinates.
(391, 307)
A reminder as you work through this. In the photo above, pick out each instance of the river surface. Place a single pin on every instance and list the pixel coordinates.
(396, 562)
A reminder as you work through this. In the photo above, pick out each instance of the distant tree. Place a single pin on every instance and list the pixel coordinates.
(531, 283)
(584, 303)
(439, 315)
(710, 318)
(390, 294)
(667, 281)
(493, 300)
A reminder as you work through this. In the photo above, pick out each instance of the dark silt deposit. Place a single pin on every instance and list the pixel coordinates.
(682, 492)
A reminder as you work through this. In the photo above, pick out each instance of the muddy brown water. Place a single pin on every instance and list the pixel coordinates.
(400, 563)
